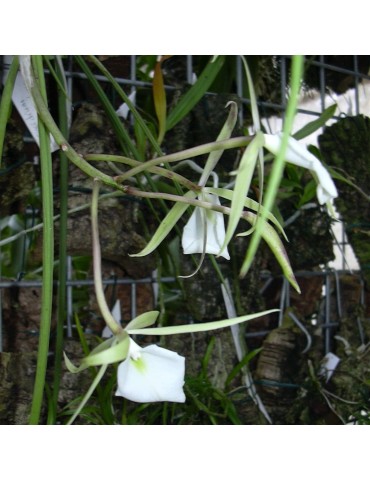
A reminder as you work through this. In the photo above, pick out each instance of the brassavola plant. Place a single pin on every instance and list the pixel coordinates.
(204, 232)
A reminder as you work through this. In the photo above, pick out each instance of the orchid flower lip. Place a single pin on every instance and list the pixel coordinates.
(151, 374)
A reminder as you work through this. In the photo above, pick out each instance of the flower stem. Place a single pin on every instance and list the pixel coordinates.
(99, 291)
(186, 154)
(171, 175)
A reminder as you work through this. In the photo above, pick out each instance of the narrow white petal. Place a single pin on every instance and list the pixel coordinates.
(326, 189)
(272, 143)
(295, 152)
(299, 155)
(193, 233)
(216, 230)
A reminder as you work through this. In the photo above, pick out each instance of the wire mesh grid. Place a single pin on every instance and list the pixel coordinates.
(355, 78)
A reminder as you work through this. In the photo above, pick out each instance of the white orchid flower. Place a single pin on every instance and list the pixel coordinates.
(300, 156)
(151, 374)
(205, 225)
(194, 231)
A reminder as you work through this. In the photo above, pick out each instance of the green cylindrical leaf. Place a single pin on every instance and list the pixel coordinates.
(47, 250)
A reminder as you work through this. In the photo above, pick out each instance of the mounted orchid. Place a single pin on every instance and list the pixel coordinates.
(153, 373)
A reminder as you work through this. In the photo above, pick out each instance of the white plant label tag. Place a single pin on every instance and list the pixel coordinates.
(116, 314)
(25, 106)
(328, 364)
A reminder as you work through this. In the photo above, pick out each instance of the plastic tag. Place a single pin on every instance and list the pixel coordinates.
(116, 313)
(123, 110)
(25, 106)
(328, 364)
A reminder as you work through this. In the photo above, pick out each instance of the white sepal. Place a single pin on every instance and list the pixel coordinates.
(194, 231)
(298, 155)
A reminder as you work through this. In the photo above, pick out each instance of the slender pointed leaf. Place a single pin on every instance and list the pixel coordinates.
(242, 184)
(159, 96)
(270, 236)
(311, 127)
(225, 133)
(123, 137)
(195, 93)
(199, 327)
(252, 97)
(248, 203)
(166, 226)
(129, 103)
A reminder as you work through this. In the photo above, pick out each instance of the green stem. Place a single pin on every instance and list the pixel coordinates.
(99, 290)
(171, 175)
(47, 256)
(62, 270)
(6, 101)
